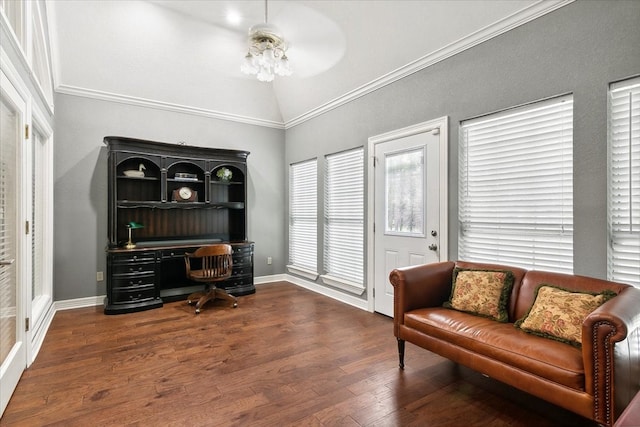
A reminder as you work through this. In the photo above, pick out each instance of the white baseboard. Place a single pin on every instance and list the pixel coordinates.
(269, 279)
(312, 286)
(70, 304)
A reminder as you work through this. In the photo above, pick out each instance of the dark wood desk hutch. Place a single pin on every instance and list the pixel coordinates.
(181, 197)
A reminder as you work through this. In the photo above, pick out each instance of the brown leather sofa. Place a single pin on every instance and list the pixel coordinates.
(596, 381)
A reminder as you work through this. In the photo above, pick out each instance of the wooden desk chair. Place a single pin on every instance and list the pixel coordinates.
(215, 265)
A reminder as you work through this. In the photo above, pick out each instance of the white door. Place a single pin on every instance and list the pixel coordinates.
(410, 203)
(13, 358)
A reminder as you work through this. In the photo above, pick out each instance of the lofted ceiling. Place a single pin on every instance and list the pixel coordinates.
(186, 54)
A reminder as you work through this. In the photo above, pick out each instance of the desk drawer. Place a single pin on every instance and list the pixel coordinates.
(242, 259)
(242, 270)
(133, 280)
(135, 294)
(133, 258)
(235, 281)
(133, 268)
(242, 250)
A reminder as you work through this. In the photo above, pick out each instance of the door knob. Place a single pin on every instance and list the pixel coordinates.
(433, 247)
(434, 233)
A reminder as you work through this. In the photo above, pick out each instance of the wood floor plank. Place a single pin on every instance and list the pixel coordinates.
(285, 357)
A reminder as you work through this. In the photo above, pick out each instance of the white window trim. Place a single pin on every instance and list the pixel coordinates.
(301, 271)
(551, 236)
(41, 305)
(308, 271)
(340, 210)
(620, 262)
(344, 284)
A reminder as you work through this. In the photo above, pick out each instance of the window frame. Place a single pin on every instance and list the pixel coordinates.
(343, 261)
(505, 216)
(303, 208)
(623, 181)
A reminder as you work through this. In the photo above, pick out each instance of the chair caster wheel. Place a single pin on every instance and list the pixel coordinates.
(189, 302)
(197, 311)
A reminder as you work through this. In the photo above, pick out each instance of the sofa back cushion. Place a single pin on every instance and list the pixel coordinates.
(518, 275)
(533, 279)
(559, 314)
(481, 292)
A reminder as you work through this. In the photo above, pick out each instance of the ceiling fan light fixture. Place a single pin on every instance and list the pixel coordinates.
(266, 55)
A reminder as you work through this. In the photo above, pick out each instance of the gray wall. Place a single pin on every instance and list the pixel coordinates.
(80, 192)
(577, 49)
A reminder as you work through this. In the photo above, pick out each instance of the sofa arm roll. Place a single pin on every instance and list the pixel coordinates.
(426, 285)
(609, 366)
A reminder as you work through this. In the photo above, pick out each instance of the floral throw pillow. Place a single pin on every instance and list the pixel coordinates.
(558, 313)
(481, 292)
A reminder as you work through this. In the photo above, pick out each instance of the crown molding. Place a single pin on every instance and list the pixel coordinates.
(534, 11)
(161, 105)
(528, 14)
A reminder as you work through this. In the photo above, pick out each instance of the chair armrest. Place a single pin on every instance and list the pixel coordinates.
(427, 285)
(605, 362)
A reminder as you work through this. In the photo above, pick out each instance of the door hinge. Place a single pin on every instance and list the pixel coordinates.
(26, 227)
(26, 131)
(375, 160)
(374, 292)
(26, 324)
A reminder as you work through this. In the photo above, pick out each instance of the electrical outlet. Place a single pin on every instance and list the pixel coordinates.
(99, 276)
(269, 260)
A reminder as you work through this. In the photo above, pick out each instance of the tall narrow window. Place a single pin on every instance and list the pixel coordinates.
(624, 182)
(516, 187)
(41, 220)
(344, 220)
(303, 218)
(40, 63)
(14, 11)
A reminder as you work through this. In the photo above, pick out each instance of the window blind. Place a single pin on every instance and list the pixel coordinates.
(516, 186)
(624, 182)
(303, 215)
(39, 215)
(344, 215)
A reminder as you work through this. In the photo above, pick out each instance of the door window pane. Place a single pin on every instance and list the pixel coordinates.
(9, 134)
(404, 189)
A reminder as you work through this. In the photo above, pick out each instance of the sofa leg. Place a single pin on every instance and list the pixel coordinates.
(401, 352)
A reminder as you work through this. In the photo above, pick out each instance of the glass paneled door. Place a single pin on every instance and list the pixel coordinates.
(12, 335)
(409, 203)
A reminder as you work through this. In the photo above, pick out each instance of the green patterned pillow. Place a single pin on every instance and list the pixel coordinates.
(481, 292)
(558, 313)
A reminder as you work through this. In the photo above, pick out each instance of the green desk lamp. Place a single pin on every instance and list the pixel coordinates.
(132, 225)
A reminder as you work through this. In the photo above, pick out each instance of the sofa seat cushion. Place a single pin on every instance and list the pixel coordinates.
(553, 360)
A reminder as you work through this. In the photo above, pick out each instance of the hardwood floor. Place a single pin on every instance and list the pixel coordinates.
(285, 356)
